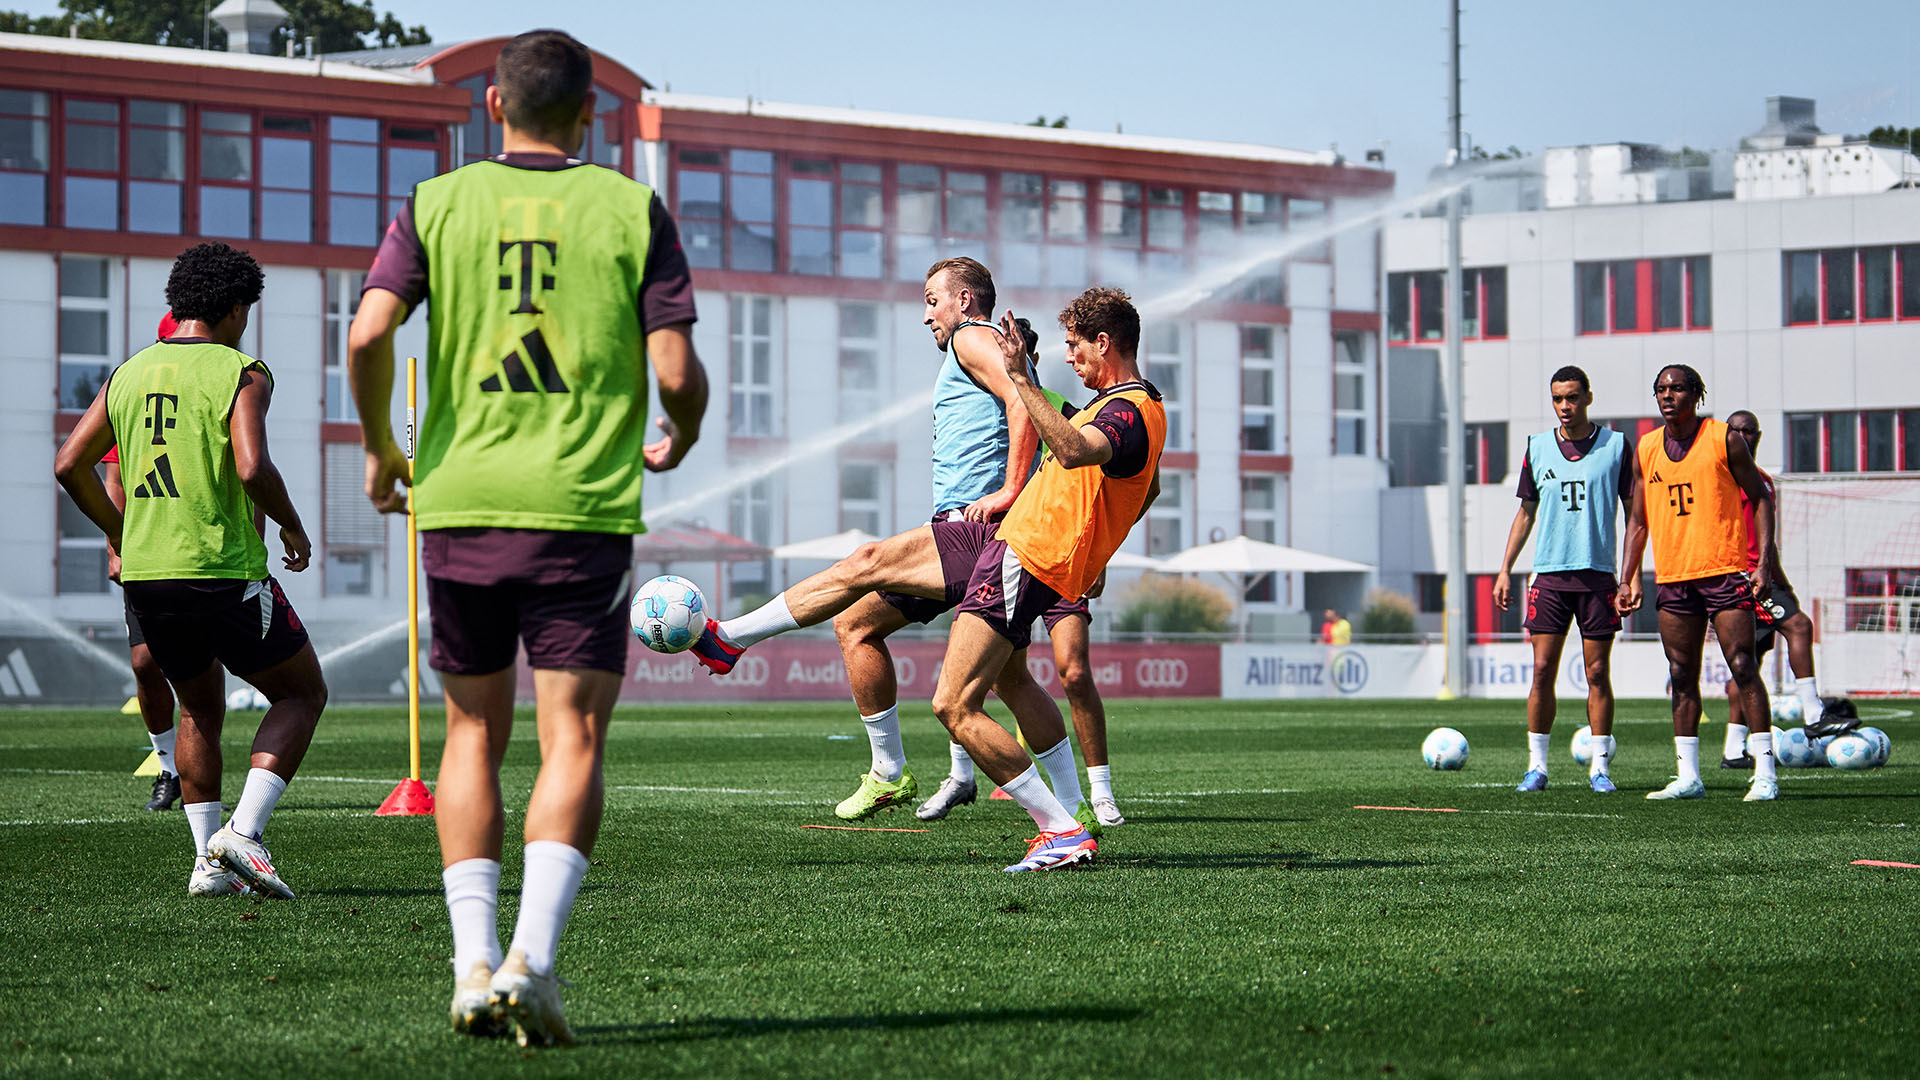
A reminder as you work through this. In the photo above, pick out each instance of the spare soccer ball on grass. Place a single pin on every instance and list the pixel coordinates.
(1787, 709)
(1793, 749)
(668, 614)
(1444, 748)
(1583, 746)
(1882, 746)
(1851, 752)
(246, 699)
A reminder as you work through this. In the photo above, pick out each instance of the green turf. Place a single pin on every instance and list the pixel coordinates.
(1245, 921)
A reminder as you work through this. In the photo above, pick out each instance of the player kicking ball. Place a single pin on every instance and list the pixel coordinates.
(1693, 471)
(189, 417)
(1573, 481)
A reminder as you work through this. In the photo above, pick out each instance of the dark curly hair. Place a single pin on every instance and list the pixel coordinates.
(210, 280)
(1101, 310)
(1689, 380)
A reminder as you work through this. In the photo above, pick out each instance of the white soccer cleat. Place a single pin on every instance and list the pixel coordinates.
(1763, 789)
(1107, 812)
(531, 1002)
(1692, 789)
(212, 879)
(949, 794)
(250, 859)
(472, 1011)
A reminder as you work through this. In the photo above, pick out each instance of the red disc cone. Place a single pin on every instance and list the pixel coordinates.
(409, 798)
(999, 794)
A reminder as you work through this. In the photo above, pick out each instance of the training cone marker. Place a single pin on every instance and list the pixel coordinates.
(151, 766)
(410, 798)
(132, 707)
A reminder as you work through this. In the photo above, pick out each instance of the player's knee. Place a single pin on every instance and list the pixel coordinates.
(1543, 678)
(1598, 673)
(863, 564)
(1076, 680)
(146, 671)
(948, 710)
(1743, 667)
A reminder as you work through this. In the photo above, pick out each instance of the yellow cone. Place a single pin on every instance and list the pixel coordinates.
(131, 708)
(151, 766)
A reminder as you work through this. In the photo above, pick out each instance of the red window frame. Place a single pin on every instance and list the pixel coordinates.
(1905, 436)
(45, 119)
(1898, 271)
(1410, 279)
(1644, 275)
(62, 171)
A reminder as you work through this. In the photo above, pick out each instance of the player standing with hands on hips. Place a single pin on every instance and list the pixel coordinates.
(554, 285)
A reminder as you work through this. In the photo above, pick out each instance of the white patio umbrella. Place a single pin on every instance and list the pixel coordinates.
(1127, 560)
(1241, 555)
(825, 548)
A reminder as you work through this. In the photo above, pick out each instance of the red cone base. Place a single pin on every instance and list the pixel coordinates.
(410, 798)
(999, 794)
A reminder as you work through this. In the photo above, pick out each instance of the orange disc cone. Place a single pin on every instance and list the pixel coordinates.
(409, 798)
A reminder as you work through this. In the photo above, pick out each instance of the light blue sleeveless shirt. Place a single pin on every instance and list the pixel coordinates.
(1577, 503)
(969, 434)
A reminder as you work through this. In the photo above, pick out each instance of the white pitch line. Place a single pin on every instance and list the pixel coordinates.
(1543, 813)
(61, 772)
(703, 790)
(1223, 791)
(351, 780)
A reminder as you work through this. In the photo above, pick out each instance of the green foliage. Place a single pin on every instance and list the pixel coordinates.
(1174, 605)
(1042, 121)
(1387, 615)
(1888, 135)
(336, 25)
(1511, 153)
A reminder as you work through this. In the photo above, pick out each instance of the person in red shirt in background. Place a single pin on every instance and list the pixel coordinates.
(150, 686)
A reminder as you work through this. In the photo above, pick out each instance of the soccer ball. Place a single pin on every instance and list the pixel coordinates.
(668, 614)
(246, 699)
(1787, 709)
(1583, 746)
(1792, 748)
(1820, 746)
(1882, 746)
(1851, 752)
(1445, 748)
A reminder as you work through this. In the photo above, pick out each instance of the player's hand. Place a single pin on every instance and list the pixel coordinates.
(1762, 583)
(1013, 347)
(987, 507)
(113, 565)
(1099, 586)
(1627, 600)
(1503, 590)
(386, 467)
(665, 452)
(299, 550)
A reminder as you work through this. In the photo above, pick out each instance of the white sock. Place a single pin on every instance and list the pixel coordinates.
(1064, 772)
(1812, 709)
(770, 618)
(962, 764)
(203, 820)
(883, 735)
(1100, 781)
(1686, 750)
(1602, 754)
(552, 878)
(1037, 799)
(1736, 743)
(256, 804)
(1762, 747)
(163, 746)
(1537, 746)
(473, 896)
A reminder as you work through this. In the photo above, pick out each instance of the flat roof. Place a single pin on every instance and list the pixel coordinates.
(326, 67)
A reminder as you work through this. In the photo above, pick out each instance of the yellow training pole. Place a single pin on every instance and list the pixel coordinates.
(411, 796)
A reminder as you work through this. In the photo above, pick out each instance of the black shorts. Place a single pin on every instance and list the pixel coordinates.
(562, 594)
(136, 637)
(1779, 606)
(1706, 596)
(246, 625)
(1004, 594)
(1065, 609)
(1551, 611)
(958, 549)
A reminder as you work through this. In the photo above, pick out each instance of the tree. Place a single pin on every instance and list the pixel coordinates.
(335, 25)
(1888, 135)
(1511, 153)
(1042, 121)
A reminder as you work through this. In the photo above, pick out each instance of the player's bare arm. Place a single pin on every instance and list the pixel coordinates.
(1517, 534)
(73, 466)
(1629, 596)
(370, 375)
(1073, 448)
(979, 358)
(258, 475)
(683, 395)
(1740, 464)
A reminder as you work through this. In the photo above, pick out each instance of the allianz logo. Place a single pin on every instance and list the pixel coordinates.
(1345, 671)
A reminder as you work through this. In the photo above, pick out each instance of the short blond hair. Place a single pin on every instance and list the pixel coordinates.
(969, 274)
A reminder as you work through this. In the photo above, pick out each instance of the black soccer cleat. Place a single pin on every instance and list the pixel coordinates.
(1744, 761)
(166, 792)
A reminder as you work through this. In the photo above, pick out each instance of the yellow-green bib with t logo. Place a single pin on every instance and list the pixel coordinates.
(187, 515)
(536, 365)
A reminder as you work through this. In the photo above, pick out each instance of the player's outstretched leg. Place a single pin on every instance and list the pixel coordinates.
(862, 631)
(296, 694)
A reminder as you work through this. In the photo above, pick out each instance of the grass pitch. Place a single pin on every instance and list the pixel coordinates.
(1246, 921)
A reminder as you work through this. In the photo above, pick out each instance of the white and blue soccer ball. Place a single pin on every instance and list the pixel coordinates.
(1444, 748)
(668, 614)
(1793, 749)
(1583, 746)
(246, 699)
(1820, 746)
(1882, 746)
(1851, 752)
(1787, 709)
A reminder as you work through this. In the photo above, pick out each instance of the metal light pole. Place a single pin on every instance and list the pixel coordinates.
(1456, 613)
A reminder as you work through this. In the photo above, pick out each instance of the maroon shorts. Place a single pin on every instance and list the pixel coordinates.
(958, 542)
(1065, 609)
(1707, 595)
(189, 623)
(1002, 592)
(1779, 606)
(1550, 611)
(561, 594)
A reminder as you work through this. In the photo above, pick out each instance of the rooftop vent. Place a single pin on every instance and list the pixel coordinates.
(249, 24)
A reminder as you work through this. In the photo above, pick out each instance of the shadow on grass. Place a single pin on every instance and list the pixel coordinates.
(1263, 860)
(744, 1027)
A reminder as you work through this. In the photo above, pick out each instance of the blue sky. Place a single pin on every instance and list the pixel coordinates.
(1538, 73)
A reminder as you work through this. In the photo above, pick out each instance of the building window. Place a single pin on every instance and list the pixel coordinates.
(750, 516)
(1483, 304)
(1644, 295)
(1121, 213)
(862, 216)
(860, 352)
(1852, 285)
(92, 339)
(916, 213)
(25, 157)
(1023, 226)
(343, 300)
(1430, 593)
(1260, 520)
(356, 533)
(1259, 392)
(1067, 234)
(809, 216)
(1167, 519)
(82, 547)
(1486, 456)
(1416, 306)
(353, 176)
(92, 164)
(749, 210)
(1167, 367)
(1880, 440)
(864, 497)
(156, 165)
(750, 367)
(1352, 393)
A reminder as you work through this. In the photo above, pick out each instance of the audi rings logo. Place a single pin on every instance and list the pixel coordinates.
(1577, 672)
(904, 669)
(1348, 672)
(1041, 669)
(1160, 673)
(751, 671)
